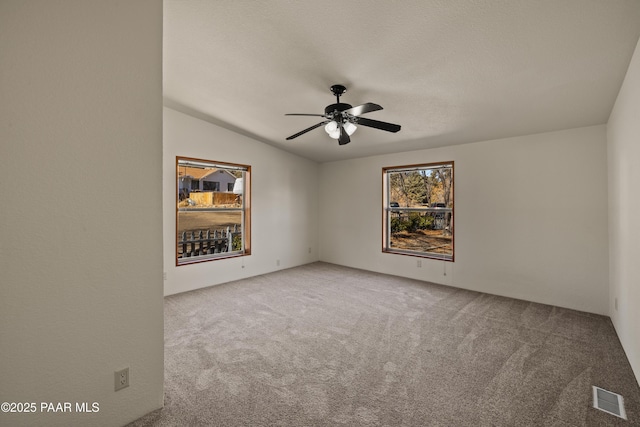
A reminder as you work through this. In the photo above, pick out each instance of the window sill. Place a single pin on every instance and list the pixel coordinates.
(434, 256)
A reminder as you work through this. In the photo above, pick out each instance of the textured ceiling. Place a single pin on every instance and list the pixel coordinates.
(448, 71)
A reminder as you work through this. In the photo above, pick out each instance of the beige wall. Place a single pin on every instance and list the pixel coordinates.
(284, 203)
(530, 217)
(623, 134)
(80, 265)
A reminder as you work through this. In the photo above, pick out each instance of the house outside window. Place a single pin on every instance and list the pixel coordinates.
(211, 224)
(418, 210)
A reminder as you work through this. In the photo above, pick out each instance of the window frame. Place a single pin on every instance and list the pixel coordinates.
(387, 209)
(245, 210)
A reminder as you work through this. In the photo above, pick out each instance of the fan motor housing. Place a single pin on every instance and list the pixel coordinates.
(340, 106)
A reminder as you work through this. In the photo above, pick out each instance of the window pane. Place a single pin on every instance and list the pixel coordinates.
(193, 226)
(421, 231)
(418, 210)
(211, 224)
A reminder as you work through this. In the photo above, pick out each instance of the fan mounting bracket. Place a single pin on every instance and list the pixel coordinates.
(338, 90)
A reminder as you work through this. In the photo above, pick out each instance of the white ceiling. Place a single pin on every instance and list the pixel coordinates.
(448, 71)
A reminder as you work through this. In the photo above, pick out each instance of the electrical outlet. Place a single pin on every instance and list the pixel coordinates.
(419, 263)
(309, 250)
(278, 262)
(164, 276)
(122, 379)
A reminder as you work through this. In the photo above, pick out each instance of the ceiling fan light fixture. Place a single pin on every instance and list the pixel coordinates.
(332, 126)
(332, 129)
(340, 118)
(350, 128)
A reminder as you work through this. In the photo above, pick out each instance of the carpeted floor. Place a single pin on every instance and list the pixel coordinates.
(324, 345)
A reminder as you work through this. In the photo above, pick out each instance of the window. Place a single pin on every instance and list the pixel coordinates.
(418, 210)
(210, 186)
(211, 224)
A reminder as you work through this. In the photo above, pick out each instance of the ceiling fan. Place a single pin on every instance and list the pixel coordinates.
(341, 119)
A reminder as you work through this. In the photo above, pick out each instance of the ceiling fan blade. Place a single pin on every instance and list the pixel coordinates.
(308, 129)
(301, 114)
(367, 107)
(389, 127)
(344, 137)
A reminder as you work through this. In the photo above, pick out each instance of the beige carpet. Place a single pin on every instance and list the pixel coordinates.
(324, 345)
